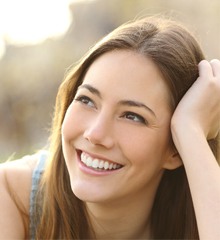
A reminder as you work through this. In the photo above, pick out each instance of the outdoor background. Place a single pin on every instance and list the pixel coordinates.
(40, 39)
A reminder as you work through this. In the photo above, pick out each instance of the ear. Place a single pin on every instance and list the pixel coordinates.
(173, 160)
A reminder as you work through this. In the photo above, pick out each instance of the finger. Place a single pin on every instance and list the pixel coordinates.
(205, 69)
(215, 64)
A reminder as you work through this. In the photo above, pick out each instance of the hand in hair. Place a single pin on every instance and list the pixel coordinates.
(199, 110)
(195, 120)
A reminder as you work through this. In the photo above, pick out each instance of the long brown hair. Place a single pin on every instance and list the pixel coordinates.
(175, 51)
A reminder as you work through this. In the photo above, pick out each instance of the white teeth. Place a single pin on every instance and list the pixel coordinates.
(110, 166)
(98, 164)
(83, 158)
(89, 162)
(95, 163)
(101, 164)
(106, 165)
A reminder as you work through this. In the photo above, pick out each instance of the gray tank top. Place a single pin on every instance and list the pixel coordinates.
(42, 157)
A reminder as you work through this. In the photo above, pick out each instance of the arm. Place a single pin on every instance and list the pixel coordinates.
(15, 183)
(196, 119)
(11, 225)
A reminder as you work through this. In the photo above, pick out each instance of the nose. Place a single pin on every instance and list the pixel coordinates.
(99, 130)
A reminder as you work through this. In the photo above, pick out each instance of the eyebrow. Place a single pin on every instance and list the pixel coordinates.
(91, 89)
(130, 103)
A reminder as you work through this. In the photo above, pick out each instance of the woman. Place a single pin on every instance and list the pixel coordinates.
(129, 156)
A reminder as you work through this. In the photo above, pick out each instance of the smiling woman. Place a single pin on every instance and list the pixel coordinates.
(105, 115)
(136, 123)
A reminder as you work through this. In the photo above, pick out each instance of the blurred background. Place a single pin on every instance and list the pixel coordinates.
(40, 39)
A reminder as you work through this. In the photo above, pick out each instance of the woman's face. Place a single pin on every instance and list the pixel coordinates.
(115, 135)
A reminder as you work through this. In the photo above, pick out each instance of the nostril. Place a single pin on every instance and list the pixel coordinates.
(97, 137)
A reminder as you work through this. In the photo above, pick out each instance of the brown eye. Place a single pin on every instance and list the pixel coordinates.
(134, 117)
(85, 100)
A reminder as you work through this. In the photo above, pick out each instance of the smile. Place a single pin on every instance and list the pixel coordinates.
(98, 164)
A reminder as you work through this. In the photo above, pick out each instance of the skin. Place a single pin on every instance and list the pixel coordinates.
(195, 119)
(107, 128)
(15, 176)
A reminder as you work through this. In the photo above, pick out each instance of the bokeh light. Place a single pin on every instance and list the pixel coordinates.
(40, 39)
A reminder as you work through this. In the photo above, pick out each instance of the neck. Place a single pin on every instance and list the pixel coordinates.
(120, 221)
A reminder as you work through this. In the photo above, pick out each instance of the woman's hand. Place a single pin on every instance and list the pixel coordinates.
(196, 119)
(199, 109)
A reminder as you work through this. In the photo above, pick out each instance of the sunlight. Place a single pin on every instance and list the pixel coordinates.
(32, 21)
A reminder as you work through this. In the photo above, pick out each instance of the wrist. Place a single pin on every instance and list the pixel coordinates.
(186, 134)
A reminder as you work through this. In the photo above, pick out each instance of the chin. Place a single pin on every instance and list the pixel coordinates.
(89, 193)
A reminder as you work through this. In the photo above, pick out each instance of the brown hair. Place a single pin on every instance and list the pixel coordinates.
(176, 53)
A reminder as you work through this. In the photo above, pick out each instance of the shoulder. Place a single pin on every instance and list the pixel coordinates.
(15, 187)
(16, 176)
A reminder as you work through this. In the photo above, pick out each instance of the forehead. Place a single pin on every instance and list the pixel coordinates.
(127, 74)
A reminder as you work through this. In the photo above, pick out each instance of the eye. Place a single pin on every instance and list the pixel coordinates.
(134, 117)
(85, 100)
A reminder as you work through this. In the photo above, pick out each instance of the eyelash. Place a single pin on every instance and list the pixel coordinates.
(85, 100)
(139, 118)
(127, 115)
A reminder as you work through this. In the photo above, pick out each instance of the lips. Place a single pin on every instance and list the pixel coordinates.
(98, 164)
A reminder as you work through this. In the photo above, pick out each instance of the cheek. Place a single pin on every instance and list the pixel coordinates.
(67, 126)
(144, 152)
(71, 124)
(147, 148)
(69, 132)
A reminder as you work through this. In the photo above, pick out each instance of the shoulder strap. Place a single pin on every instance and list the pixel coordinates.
(42, 157)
